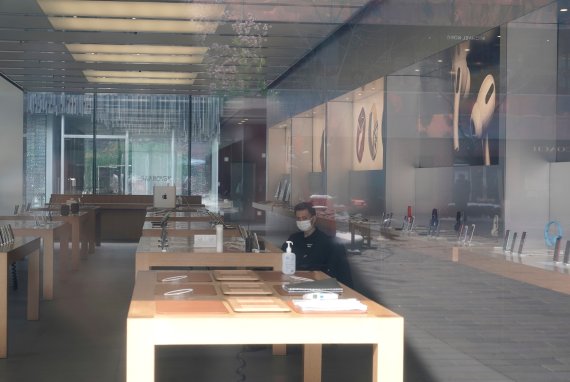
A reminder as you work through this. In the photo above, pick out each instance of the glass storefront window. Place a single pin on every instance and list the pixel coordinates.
(120, 144)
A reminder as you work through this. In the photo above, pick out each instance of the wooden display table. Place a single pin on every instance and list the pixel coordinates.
(206, 316)
(82, 231)
(186, 229)
(82, 234)
(179, 216)
(48, 232)
(182, 253)
(119, 217)
(362, 227)
(22, 247)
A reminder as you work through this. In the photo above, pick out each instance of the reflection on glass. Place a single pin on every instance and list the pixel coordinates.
(140, 141)
(77, 166)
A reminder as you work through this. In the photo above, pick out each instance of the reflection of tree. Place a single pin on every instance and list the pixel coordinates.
(238, 67)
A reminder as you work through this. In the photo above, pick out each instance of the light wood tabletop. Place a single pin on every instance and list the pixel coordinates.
(207, 316)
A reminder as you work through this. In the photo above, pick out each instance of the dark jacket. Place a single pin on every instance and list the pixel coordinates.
(319, 252)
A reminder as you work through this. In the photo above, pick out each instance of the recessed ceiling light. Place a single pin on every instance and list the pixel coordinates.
(138, 58)
(467, 50)
(140, 77)
(146, 81)
(417, 70)
(125, 49)
(132, 9)
(138, 74)
(564, 10)
(126, 16)
(440, 61)
(128, 25)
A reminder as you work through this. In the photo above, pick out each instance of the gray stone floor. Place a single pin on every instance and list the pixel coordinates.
(461, 325)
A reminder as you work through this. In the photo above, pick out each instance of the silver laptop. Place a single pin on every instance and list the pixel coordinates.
(164, 197)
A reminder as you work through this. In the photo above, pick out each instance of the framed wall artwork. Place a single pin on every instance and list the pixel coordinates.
(368, 116)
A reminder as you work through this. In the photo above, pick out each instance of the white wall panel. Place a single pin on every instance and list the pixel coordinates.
(11, 147)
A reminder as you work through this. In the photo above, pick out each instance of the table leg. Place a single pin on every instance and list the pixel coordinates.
(75, 244)
(34, 285)
(140, 352)
(84, 236)
(141, 263)
(280, 349)
(3, 307)
(388, 356)
(91, 233)
(63, 250)
(48, 267)
(312, 362)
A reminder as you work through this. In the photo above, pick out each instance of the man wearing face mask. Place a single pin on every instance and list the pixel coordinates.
(316, 251)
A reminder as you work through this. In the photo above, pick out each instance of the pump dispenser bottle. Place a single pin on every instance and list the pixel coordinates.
(288, 260)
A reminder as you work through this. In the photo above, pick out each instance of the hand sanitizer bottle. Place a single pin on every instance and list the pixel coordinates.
(288, 260)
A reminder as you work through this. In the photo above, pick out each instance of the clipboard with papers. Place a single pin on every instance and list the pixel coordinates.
(325, 285)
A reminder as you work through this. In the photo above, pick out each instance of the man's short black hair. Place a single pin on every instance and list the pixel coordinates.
(305, 206)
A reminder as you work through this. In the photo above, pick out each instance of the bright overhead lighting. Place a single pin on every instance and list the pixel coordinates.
(137, 58)
(140, 77)
(564, 10)
(134, 49)
(128, 25)
(132, 9)
(127, 16)
(146, 81)
(138, 74)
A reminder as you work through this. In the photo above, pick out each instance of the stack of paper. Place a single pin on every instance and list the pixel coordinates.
(341, 305)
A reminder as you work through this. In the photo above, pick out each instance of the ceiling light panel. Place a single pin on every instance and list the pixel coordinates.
(147, 81)
(130, 25)
(137, 49)
(138, 74)
(130, 9)
(137, 58)
(139, 77)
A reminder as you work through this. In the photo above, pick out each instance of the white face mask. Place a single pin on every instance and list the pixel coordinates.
(304, 225)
